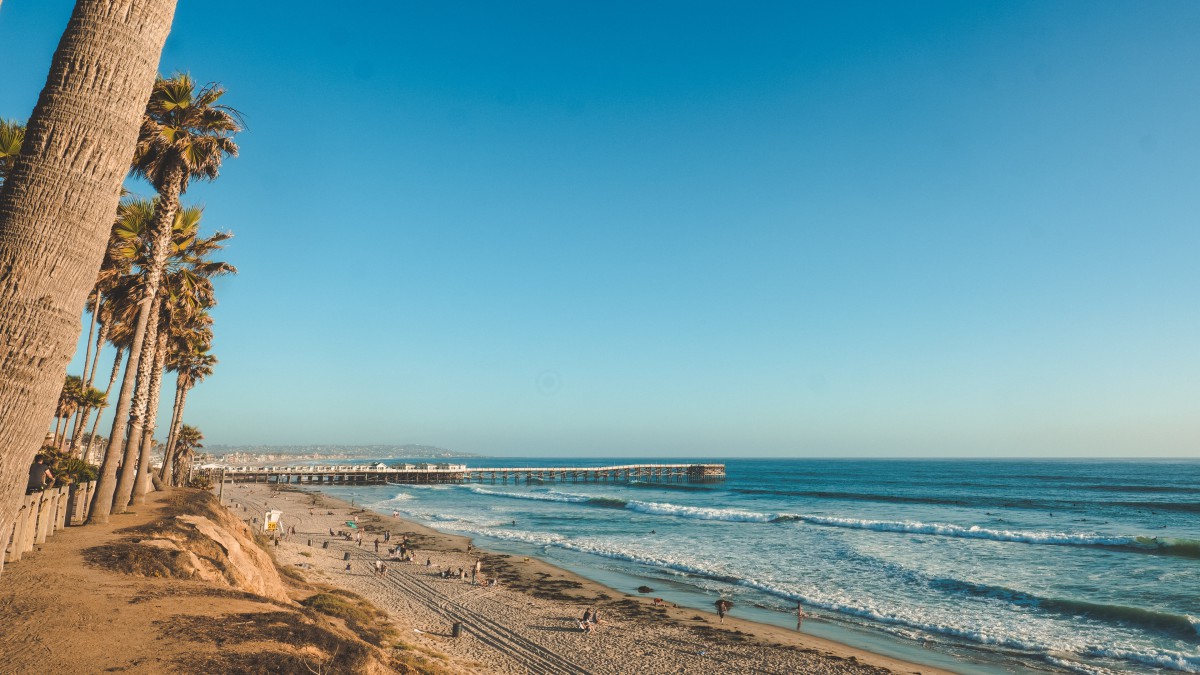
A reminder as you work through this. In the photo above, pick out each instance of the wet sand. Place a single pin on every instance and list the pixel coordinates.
(527, 623)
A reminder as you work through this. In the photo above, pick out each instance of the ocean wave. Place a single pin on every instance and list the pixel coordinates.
(1180, 507)
(1187, 548)
(550, 496)
(1160, 658)
(1100, 487)
(984, 635)
(1076, 667)
(700, 512)
(1179, 625)
(685, 487)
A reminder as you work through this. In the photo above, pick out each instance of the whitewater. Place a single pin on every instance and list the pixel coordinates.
(1014, 566)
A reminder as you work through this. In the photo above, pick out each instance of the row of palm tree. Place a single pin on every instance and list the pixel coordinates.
(152, 295)
(57, 202)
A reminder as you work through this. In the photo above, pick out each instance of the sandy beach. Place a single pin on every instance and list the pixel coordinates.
(527, 621)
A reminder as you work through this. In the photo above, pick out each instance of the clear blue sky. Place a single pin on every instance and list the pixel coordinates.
(893, 229)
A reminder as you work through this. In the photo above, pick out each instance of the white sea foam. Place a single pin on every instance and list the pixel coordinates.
(966, 531)
(548, 496)
(700, 512)
(998, 634)
(1161, 658)
(905, 526)
(1077, 667)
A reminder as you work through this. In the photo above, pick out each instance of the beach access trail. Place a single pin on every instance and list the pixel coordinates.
(527, 623)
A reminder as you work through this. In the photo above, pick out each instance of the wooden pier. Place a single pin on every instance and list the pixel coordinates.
(423, 474)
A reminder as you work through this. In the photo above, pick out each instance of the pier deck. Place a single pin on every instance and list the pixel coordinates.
(407, 474)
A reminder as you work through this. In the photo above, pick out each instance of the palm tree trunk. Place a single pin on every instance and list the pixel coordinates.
(164, 473)
(112, 379)
(75, 440)
(83, 379)
(66, 425)
(143, 484)
(57, 422)
(141, 394)
(100, 339)
(87, 354)
(57, 206)
(106, 484)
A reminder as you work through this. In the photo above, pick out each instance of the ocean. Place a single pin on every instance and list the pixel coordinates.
(975, 566)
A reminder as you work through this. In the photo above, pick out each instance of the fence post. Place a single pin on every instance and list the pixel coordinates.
(77, 504)
(8, 545)
(18, 546)
(52, 511)
(60, 512)
(86, 506)
(43, 518)
(28, 524)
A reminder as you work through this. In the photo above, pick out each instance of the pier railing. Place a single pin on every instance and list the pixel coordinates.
(318, 475)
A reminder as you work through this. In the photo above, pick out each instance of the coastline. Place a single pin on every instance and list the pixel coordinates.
(527, 623)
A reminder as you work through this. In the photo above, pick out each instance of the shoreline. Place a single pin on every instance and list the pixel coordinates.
(528, 622)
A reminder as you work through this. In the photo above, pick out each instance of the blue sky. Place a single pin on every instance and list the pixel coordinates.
(852, 229)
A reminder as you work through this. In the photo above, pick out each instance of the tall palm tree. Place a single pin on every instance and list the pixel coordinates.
(12, 135)
(188, 294)
(68, 403)
(185, 448)
(92, 399)
(100, 308)
(186, 133)
(56, 209)
(191, 363)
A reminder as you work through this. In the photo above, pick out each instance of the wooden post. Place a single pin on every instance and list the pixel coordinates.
(64, 496)
(13, 538)
(87, 501)
(45, 513)
(29, 526)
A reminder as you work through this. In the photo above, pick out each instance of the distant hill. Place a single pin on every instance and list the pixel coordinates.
(408, 450)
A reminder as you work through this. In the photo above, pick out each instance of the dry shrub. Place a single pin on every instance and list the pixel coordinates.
(343, 654)
(132, 558)
(360, 616)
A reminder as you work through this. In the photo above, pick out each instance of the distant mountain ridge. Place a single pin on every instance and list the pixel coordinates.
(408, 450)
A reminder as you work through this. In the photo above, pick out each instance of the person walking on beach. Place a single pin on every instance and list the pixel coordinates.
(377, 544)
(799, 614)
(475, 571)
(723, 606)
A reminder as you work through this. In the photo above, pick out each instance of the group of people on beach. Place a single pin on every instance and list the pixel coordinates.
(477, 577)
(590, 621)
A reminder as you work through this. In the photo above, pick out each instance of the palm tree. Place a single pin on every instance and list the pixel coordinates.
(68, 403)
(100, 305)
(91, 399)
(191, 364)
(185, 134)
(56, 209)
(186, 444)
(188, 294)
(12, 134)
